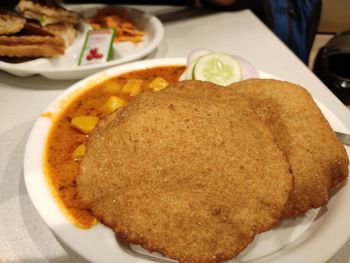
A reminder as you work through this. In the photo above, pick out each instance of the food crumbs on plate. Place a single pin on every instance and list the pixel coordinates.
(97, 48)
(46, 115)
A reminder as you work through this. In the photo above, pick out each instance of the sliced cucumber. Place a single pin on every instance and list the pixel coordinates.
(218, 68)
(196, 54)
(190, 67)
(191, 61)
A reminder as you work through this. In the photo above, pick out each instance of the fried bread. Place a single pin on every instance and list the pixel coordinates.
(317, 159)
(190, 172)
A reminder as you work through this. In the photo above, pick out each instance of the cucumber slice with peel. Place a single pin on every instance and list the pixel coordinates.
(219, 68)
(190, 67)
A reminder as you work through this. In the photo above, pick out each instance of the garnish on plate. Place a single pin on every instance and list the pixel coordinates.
(109, 17)
(219, 68)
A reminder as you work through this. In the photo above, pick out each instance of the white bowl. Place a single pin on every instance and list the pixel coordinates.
(312, 238)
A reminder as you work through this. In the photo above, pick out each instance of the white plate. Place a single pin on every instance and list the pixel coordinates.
(312, 238)
(66, 67)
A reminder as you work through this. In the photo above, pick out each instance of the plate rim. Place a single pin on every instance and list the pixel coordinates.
(33, 165)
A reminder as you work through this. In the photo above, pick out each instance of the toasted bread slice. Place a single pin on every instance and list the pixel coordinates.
(10, 23)
(65, 31)
(47, 12)
(32, 41)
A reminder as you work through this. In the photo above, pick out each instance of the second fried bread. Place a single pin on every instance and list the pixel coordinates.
(316, 157)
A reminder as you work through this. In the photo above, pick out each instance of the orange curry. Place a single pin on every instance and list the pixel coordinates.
(70, 131)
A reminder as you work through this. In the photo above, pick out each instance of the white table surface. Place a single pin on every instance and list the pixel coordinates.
(24, 237)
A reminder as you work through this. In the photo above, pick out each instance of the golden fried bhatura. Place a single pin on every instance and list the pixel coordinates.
(190, 172)
(317, 159)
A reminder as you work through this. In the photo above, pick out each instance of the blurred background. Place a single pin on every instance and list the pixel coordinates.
(317, 31)
(334, 18)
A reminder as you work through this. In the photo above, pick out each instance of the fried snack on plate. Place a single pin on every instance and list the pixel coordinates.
(52, 17)
(31, 41)
(317, 159)
(10, 23)
(47, 12)
(190, 172)
(66, 31)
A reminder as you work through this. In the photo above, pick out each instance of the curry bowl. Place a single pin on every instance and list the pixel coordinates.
(39, 186)
(289, 241)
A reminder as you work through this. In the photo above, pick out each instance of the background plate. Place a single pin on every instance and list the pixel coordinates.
(66, 67)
